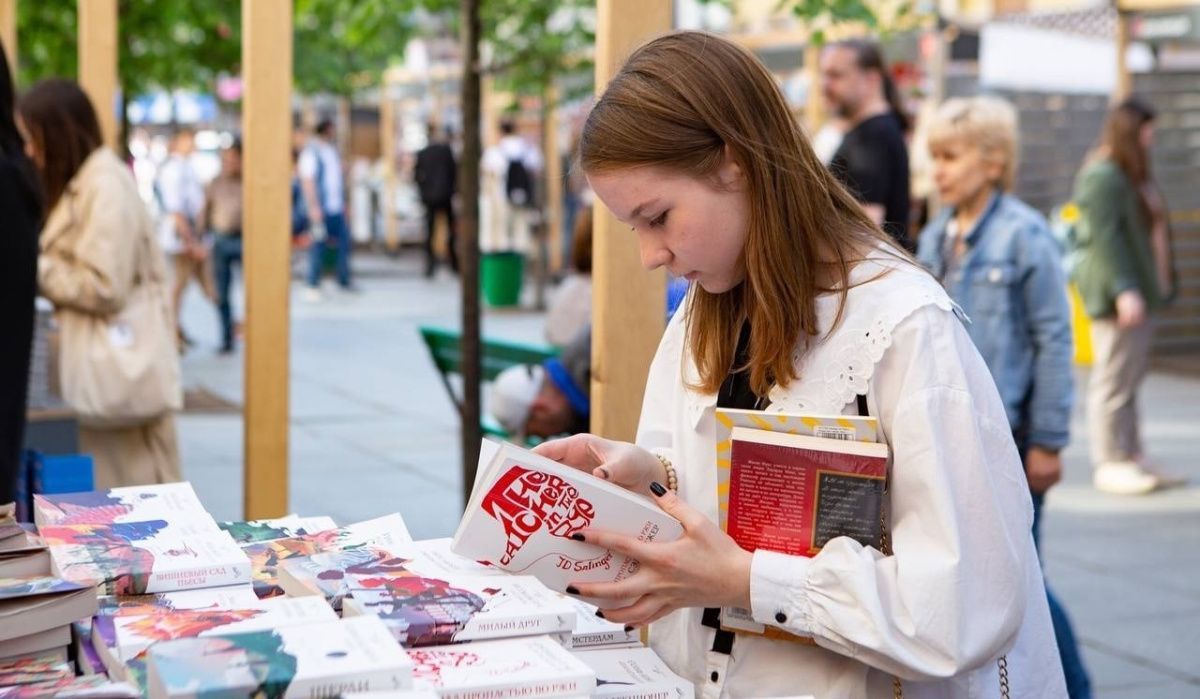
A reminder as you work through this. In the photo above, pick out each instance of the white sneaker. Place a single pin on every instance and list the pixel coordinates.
(1166, 479)
(311, 295)
(1124, 478)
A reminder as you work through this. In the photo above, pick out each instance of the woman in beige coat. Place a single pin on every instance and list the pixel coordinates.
(96, 238)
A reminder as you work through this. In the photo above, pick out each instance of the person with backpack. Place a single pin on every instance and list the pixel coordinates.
(510, 169)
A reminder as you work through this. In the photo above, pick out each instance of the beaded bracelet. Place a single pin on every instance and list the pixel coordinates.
(672, 478)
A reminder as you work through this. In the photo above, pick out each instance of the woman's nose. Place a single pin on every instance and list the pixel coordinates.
(654, 254)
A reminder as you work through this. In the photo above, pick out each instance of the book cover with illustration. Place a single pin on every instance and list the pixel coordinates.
(137, 633)
(270, 529)
(843, 427)
(38, 604)
(32, 586)
(327, 574)
(516, 667)
(85, 687)
(39, 667)
(423, 611)
(634, 673)
(791, 493)
(121, 566)
(311, 661)
(525, 508)
(388, 532)
(118, 505)
(87, 657)
(437, 558)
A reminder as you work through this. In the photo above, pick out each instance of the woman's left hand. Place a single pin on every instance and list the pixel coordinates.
(703, 568)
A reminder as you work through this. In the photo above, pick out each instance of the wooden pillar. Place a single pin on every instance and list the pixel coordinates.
(554, 179)
(98, 63)
(387, 146)
(628, 304)
(266, 132)
(1124, 86)
(489, 108)
(8, 33)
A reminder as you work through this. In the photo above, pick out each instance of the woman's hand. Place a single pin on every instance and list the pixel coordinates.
(1131, 309)
(625, 464)
(703, 568)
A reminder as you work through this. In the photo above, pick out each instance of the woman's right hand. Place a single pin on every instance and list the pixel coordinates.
(1131, 309)
(625, 464)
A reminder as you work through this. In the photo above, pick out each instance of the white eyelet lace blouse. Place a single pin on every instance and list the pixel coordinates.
(963, 586)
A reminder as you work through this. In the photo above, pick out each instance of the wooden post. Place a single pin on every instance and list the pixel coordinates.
(266, 131)
(554, 180)
(8, 33)
(387, 145)
(814, 105)
(628, 304)
(98, 63)
(1124, 79)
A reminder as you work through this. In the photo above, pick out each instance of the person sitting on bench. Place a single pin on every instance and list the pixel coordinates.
(546, 400)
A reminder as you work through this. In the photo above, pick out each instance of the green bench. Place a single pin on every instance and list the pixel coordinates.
(495, 357)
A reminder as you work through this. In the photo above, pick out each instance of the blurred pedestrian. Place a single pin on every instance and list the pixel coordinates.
(436, 175)
(510, 169)
(322, 182)
(550, 400)
(872, 159)
(21, 202)
(997, 259)
(571, 308)
(1123, 270)
(181, 195)
(102, 268)
(221, 217)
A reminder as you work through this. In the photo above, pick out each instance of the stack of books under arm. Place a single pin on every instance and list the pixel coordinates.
(298, 607)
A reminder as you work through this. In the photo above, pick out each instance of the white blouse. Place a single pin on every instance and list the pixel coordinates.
(964, 585)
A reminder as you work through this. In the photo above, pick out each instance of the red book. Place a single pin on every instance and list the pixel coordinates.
(792, 493)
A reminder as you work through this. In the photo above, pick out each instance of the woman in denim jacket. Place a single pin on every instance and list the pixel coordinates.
(998, 261)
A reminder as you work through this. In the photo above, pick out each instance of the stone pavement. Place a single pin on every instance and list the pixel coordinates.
(373, 432)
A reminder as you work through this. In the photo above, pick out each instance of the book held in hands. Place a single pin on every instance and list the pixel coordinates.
(525, 508)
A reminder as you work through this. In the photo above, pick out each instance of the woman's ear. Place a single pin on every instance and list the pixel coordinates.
(730, 173)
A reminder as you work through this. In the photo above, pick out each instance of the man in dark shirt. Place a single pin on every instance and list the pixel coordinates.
(435, 174)
(872, 160)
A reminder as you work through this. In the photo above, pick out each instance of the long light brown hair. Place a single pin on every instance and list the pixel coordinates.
(678, 103)
(1121, 142)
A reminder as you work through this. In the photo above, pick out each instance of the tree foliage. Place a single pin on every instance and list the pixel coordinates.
(342, 47)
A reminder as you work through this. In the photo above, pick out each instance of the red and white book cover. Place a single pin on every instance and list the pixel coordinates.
(517, 667)
(792, 493)
(525, 508)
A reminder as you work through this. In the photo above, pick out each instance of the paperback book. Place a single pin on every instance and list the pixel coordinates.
(86, 687)
(423, 611)
(140, 566)
(118, 505)
(792, 493)
(386, 533)
(525, 509)
(516, 667)
(634, 673)
(593, 632)
(312, 661)
(270, 529)
(34, 605)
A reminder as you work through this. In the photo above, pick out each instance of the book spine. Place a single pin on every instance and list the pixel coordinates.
(202, 576)
(544, 689)
(483, 627)
(602, 639)
(330, 686)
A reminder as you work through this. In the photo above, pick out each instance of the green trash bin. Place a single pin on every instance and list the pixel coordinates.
(501, 274)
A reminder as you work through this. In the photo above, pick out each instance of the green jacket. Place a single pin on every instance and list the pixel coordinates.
(1113, 252)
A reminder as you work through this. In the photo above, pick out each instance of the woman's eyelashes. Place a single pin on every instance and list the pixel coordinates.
(659, 220)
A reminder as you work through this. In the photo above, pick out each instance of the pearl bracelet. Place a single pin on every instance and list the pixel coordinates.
(672, 479)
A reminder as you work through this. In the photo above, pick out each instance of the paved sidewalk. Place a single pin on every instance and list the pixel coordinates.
(373, 432)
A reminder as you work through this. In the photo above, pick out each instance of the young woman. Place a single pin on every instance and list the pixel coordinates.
(998, 261)
(96, 245)
(800, 304)
(20, 200)
(1123, 271)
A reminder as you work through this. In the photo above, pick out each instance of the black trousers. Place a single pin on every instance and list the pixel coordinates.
(432, 209)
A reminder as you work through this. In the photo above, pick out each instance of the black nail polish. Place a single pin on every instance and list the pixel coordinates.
(628, 629)
(572, 590)
(599, 613)
(577, 536)
(658, 489)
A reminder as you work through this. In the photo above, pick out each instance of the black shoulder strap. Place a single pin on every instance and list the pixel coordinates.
(862, 405)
